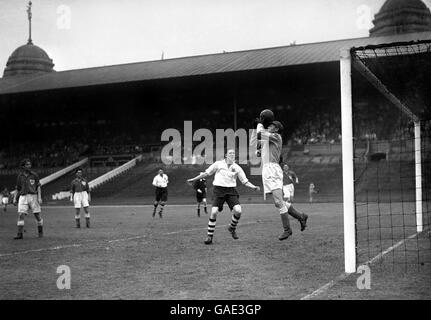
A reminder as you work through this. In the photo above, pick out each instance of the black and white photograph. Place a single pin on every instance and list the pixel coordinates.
(215, 155)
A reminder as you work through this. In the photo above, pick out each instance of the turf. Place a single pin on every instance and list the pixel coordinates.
(127, 254)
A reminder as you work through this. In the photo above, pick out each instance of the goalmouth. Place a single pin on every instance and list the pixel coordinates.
(385, 126)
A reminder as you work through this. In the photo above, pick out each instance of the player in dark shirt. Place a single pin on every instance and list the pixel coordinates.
(28, 197)
(200, 187)
(289, 180)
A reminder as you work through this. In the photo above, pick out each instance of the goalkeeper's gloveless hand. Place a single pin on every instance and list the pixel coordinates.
(255, 122)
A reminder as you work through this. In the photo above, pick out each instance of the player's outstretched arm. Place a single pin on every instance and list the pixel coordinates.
(252, 186)
(200, 176)
(243, 178)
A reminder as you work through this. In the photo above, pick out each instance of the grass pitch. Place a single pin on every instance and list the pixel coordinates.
(127, 254)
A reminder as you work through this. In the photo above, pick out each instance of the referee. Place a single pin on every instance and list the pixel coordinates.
(160, 181)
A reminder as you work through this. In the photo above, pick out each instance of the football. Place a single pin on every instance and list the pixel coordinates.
(266, 117)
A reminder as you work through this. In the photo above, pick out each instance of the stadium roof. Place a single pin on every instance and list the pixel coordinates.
(197, 65)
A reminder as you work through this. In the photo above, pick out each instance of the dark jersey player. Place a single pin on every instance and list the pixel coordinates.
(200, 187)
(28, 197)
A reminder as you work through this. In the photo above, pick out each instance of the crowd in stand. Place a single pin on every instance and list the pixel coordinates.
(62, 153)
(316, 125)
(57, 154)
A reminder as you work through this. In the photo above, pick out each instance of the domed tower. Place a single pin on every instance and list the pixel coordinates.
(401, 16)
(29, 58)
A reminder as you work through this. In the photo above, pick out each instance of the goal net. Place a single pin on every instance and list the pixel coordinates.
(386, 124)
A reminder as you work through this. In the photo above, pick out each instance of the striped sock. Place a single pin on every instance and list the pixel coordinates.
(162, 206)
(234, 222)
(211, 227)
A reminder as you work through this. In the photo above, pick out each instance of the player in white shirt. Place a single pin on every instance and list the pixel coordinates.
(226, 172)
(160, 181)
(5, 198)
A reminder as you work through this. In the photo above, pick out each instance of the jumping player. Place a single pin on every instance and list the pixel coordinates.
(160, 181)
(80, 196)
(272, 175)
(200, 187)
(289, 180)
(28, 197)
(5, 198)
(226, 172)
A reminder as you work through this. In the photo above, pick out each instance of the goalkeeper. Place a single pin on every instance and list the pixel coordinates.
(267, 135)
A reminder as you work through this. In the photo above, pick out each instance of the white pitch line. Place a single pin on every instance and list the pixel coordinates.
(344, 276)
(108, 241)
(143, 206)
(326, 286)
(41, 249)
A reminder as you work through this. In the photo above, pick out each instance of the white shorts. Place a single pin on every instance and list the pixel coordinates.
(272, 177)
(288, 190)
(28, 203)
(5, 200)
(80, 199)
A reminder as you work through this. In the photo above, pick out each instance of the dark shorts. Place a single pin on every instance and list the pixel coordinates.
(200, 196)
(225, 194)
(162, 194)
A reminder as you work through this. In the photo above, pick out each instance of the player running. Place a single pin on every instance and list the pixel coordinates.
(5, 194)
(200, 187)
(28, 197)
(80, 196)
(226, 172)
(289, 180)
(271, 143)
(160, 181)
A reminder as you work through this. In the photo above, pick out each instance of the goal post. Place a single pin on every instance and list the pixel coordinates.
(347, 161)
(418, 175)
(388, 71)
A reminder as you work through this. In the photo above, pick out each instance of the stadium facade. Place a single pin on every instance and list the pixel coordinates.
(133, 103)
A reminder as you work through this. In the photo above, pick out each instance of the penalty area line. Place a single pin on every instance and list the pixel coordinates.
(344, 275)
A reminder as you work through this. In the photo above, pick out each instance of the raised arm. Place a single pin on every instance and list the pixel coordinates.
(211, 170)
(255, 134)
